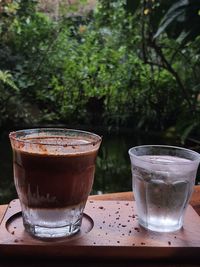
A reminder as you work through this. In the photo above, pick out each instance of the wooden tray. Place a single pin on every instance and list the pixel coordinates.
(110, 230)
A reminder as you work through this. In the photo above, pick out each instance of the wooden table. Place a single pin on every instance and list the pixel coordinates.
(124, 196)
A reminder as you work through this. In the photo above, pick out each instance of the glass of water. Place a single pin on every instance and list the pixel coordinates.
(163, 181)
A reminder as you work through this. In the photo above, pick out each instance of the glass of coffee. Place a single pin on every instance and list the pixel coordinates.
(163, 181)
(53, 173)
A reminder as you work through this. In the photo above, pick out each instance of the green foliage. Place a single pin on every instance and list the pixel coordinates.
(170, 39)
(124, 65)
(6, 79)
(181, 20)
(9, 94)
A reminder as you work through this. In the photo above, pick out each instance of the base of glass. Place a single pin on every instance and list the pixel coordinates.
(52, 223)
(161, 228)
(53, 232)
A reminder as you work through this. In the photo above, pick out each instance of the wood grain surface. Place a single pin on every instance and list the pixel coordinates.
(122, 196)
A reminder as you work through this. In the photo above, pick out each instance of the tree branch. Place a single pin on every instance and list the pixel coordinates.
(169, 67)
(165, 64)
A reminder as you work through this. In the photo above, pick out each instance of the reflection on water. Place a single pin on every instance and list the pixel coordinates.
(7, 189)
(113, 173)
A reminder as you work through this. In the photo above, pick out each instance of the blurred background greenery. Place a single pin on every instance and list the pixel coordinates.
(128, 70)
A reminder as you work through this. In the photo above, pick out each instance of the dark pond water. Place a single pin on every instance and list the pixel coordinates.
(113, 172)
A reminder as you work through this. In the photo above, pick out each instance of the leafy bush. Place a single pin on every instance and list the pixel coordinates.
(114, 67)
(9, 99)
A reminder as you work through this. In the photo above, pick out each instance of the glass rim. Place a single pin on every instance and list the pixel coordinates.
(13, 137)
(191, 152)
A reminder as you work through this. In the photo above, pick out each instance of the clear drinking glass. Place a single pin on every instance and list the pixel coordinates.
(163, 178)
(53, 173)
